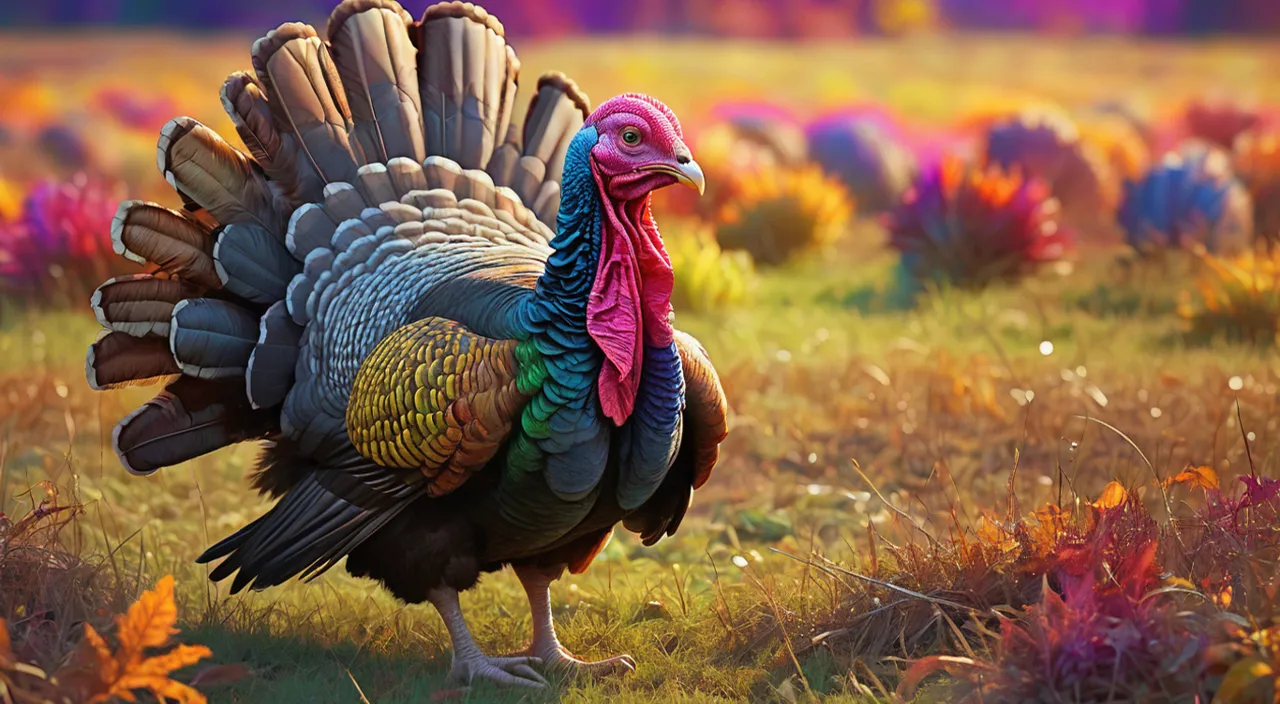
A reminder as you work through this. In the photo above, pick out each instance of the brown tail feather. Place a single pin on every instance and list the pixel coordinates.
(139, 305)
(203, 167)
(178, 245)
(379, 69)
(276, 152)
(120, 359)
(467, 82)
(303, 86)
(189, 418)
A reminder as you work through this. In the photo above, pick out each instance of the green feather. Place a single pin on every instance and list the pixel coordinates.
(523, 455)
(532, 368)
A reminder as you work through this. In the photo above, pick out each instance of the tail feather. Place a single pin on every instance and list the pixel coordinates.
(406, 175)
(310, 229)
(556, 113)
(270, 370)
(463, 69)
(120, 359)
(191, 417)
(275, 150)
(375, 185)
(547, 204)
(343, 202)
(306, 533)
(300, 79)
(379, 70)
(140, 304)
(211, 173)
(253, 263)
(177, 244)
(212, 339)
(441, 172)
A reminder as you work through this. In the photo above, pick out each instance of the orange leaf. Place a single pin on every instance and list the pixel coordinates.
(175, 659)
(1113, 495)
(933, 664)
(95, 656)
(148, 623)
(99, 677)
(1203, 477)
(6, 649)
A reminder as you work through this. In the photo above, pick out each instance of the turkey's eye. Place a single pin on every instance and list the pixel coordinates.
(631, 136)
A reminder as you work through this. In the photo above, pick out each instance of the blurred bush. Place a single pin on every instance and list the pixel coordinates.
(1120, 143)
(1219, 120)
(1234, 299)
(875, 168)
(899, 17)
(1046, 144)
(747, 141)
(1191, 197)
(707, 278)
(781, 212)
(1257, 163)
(58, 248)
(968, 226)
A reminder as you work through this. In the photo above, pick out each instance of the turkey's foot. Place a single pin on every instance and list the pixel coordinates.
(504, 672)
(562, 662)
(469, 664)
(546, 646)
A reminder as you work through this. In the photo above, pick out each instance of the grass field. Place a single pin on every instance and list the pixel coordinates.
(860, 424)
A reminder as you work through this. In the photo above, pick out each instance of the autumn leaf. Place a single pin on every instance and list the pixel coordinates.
(6, 648)
(1203, 477)
(1250, 680)
(927, 666)
(98, 676)
(148, 623)
(1112, 496)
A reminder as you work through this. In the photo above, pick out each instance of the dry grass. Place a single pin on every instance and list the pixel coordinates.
(964, 424)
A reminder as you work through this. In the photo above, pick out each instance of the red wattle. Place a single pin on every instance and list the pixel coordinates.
(630, 299)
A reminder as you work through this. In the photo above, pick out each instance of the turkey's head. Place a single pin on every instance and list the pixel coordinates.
(640, 148)
(637, 147)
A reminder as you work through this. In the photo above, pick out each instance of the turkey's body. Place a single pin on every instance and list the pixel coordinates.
(452, 330)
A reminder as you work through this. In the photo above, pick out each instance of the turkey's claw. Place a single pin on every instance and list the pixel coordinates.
(504, 672)
(561, 662)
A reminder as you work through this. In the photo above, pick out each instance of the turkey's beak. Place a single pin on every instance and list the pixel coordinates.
(686, 170)
(690, 174)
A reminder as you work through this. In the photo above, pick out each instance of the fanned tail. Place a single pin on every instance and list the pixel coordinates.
(192, 319)
(361, 148)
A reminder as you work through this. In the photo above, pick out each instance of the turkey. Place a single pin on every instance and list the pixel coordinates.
(453, 332)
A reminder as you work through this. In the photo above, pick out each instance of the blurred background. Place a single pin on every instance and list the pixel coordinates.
(716, 18)
(938, 235)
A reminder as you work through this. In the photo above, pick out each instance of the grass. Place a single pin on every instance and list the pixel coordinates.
(846, 394)
(931, 402)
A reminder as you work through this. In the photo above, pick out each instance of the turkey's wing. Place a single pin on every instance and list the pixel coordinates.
(435, 397)
(706, 408)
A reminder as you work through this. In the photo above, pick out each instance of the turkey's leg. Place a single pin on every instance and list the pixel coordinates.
(469, 664)
(537, 585)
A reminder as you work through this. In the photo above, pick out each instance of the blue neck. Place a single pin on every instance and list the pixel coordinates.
(563, 289)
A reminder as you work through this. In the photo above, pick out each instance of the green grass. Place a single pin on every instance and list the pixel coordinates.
(826, 366)
(830, 363)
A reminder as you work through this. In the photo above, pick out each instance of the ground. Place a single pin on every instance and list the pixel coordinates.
(841, 394)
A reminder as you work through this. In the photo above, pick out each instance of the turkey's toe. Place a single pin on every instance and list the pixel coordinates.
(504, 672)
(560, 660)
